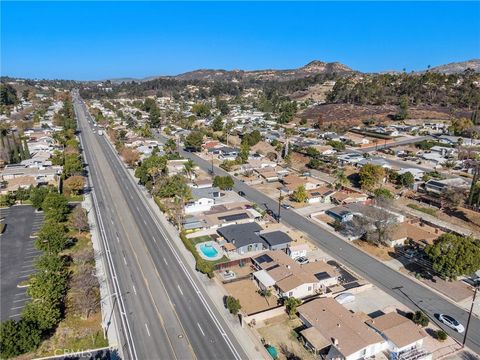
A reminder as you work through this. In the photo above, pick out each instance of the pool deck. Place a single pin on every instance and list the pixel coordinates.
(212, 244)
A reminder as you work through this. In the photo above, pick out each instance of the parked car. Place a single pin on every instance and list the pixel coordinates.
(286, 206)
(241, 193)
(345, 298)
(302, 260)
(451, 323)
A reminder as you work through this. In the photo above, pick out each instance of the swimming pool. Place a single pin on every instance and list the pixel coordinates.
(208, 250)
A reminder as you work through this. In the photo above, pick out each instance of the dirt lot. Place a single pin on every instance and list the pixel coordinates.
(381, 252)
(247, 292)
(345, 115)
(279, 332)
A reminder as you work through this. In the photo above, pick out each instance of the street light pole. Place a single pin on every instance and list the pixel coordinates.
(469, 316)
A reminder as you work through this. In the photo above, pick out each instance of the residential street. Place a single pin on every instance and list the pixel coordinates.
(169, 314)
(406, 290)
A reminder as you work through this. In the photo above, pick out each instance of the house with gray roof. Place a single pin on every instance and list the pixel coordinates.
(244, 237)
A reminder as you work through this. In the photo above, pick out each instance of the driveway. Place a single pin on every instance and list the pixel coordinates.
(17, 257)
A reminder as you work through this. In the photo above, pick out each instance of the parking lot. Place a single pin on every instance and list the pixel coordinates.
(17, 257)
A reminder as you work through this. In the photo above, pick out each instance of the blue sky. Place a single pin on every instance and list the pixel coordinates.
(90, 40)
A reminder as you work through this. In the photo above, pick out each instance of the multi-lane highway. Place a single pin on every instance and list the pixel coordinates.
(162, 311)
(404, 289)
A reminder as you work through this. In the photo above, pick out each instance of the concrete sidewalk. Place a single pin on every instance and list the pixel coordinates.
(109, 324)
(250, 344)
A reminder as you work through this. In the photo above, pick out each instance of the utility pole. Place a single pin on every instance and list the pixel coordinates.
(212, 164)
(470, 316)
(280, 197)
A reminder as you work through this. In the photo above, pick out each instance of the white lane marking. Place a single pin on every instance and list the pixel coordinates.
(180, 289)
(27, 265)
(124, 260)
(16, 307)
(144, 222)
(134, 290)
(165, 260)
(26, 271)
(154, 240)
(118, 239)
(201, 330)
(18, 294)
(14, 315)
(111, 220)
(20, 300)
(137, 208)
(148, 331)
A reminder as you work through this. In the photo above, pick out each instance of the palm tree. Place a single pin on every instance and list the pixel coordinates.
(266, 293)
(188, 169)
(340, 178)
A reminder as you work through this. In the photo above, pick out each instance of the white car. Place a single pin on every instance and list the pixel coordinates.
(451, 323)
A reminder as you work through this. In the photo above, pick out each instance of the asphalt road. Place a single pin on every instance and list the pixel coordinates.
(169, 314)
(402, 288)
(18, 256)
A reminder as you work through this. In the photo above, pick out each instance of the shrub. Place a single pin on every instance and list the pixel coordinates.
(441, 335)
(419, 318)
(233, 305)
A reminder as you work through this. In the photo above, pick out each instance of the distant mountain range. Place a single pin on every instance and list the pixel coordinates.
(313, 68)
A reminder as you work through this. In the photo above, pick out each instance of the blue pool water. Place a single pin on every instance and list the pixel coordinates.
(208, 250)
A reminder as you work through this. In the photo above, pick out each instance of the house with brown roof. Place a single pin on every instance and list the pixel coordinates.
(336, 333)
(403, 336)
(277, 270)
(322, 194)
(292, 182)
(348, 196)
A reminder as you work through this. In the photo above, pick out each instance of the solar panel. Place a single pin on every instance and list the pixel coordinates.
(234, 217)
(263, 259)
(322, 275)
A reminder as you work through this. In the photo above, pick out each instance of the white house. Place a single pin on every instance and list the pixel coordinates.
(277, 270)
(336, 333)
(203, 200)
(403, 336)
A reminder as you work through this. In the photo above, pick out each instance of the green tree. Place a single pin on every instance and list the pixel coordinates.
(48, 286)
(169, 187)
(52, 238)
(383, 193)
(341, 178)
(291, 305)
(194, 141)
(37, 196)
(222, 105)
(223, 182)
(73, 165)
(406, 179)
(454, 255)
(337, 145)
(154, 161)
(8, 95)
(17, 338)
(242, 157)
(7, 200)
(217, 124)
(419, 318)
(233, 305)
(201, 109)
(402, 112)
(55, 206)
(45, 315)
(300, 194)
(370, 176)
